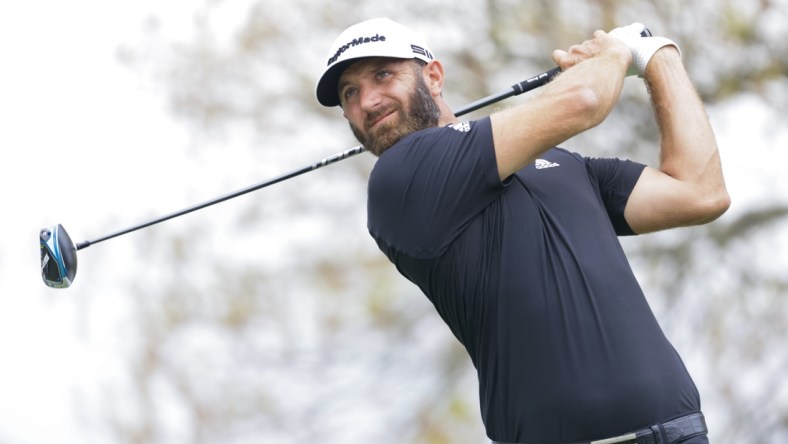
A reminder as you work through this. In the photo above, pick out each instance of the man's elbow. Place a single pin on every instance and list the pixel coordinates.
(711, 206)
(590, 107)
(583, 108)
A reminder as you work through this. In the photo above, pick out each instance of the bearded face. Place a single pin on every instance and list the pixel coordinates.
(418, 113)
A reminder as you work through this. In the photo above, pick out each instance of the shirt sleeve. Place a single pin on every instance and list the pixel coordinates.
(616, 179)
(424, 190)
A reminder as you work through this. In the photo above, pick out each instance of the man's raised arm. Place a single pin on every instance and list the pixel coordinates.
(688, 188)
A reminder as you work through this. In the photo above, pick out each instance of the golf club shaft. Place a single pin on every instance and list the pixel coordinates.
(516, 89)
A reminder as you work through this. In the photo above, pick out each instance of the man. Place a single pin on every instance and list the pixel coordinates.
(515, 241)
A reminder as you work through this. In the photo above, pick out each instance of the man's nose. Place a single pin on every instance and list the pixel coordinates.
(370, 99)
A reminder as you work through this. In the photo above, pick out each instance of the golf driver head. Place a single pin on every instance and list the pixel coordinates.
(58, 257)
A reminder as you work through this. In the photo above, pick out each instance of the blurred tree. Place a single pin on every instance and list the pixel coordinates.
(284, 323)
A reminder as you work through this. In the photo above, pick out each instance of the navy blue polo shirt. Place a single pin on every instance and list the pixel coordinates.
(530, 277)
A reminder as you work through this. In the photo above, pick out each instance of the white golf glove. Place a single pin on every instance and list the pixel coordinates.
(642, 48)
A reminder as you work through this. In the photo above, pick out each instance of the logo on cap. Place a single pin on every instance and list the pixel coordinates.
(355, 42)
(422, 51)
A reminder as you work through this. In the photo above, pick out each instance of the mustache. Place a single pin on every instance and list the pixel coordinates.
(374, 116)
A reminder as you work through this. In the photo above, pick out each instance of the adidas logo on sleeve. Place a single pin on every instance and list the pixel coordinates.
(462, 127)
(541, 164)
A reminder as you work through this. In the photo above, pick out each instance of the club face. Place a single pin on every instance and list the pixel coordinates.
(58, 257)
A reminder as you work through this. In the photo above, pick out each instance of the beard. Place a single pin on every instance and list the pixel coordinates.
(422, 113)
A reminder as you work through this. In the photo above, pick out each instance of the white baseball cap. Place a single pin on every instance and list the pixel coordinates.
(379, 37)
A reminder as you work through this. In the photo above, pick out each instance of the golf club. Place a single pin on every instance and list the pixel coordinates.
(59, 253)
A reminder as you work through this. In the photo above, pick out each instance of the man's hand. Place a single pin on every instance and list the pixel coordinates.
(601, 45)
(642, 48)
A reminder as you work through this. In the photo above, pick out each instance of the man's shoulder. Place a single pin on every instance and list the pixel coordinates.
(453, 130)
(427, 145)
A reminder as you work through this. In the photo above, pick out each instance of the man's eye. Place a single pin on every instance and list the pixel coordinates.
(350, 92)
(383, 74)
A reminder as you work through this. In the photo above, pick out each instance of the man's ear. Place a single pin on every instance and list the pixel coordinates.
(433, 73)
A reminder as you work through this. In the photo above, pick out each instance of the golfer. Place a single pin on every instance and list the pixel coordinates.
(514, 240)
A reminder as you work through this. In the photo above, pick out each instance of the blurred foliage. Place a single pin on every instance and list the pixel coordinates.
(286, 323)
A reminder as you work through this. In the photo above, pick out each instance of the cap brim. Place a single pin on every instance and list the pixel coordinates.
(327, 93)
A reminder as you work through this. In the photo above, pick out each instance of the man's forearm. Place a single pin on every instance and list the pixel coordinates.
(688, 154)
(575, 101)
(688, 146)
